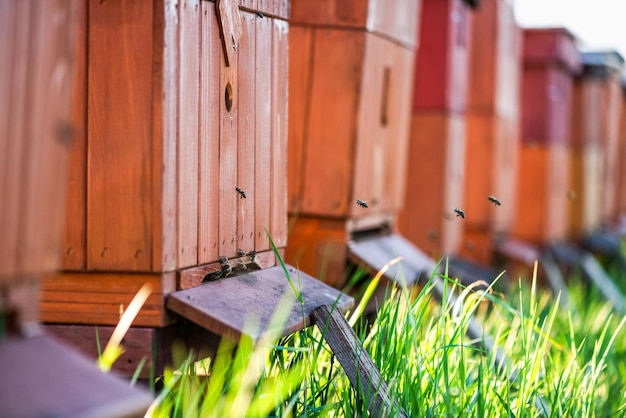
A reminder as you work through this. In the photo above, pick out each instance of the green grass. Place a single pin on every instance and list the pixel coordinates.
(562, 363)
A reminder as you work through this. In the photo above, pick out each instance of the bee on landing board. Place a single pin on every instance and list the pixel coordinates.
(459, 212)
(362, 203)
(495, 201)
(241, 192)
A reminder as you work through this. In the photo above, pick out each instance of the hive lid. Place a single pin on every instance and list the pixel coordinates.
(45, 378)
(376, 251)
(246, 304)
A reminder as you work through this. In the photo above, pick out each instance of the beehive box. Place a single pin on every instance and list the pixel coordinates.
(351, 66)
(551, 60)
(434, 185)
(492, 128)
(595, 126)
(167, 130)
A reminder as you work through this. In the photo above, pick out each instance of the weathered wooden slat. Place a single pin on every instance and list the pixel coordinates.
(164, 135)
(84, 390)
(263, 121)
(188, 113)
(119, 203)
(211, 95)
(73, 249)
(246, 94)
(280, 109)
(245, 305)
(356, 362)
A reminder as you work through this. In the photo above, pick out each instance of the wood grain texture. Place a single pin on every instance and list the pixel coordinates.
(300, 66)
(165, 78)
(88, 298)
(73, 249)
(263, 130)
(280, 109)
(246, 304)
(211, 95)
(356, 362)
(334, 105)
(119, 204)
(84, 390)
(246, 98)
(188, 132)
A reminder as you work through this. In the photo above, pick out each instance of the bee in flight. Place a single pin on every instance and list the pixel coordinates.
(459, 212)
(241, 192)
(495, 201)
(362, 203)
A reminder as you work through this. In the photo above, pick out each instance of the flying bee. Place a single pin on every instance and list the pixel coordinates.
(362, 203)
(241, 192)
(226, 267)
(495, 201)
(459, 212)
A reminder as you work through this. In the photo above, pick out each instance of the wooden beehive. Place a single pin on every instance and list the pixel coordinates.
(492, 128)
(595, 127)
(434, 184)
(622, 155)
(170, 122)
(351, 66)
(551, 60)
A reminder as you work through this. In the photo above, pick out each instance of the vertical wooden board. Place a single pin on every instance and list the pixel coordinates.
(280, 109)
(188, 133)
(479, 168)
(228, 197)
(246, 94)
(558, 177)
(612, 105)
(265, 6)
(165, 76)
(248, 4)
(263, 130)
(14, 46)
(284, 9)
(210, 97)
(454, 189)
(74, 237)
(49, 134)
(397, 19)
(458, 68)
(502, 183)
(119, 202)
(311, 12)
(300, 54)
(335, 88)
(507, 62)
(482, 69)
(535, 104)
(621, 181)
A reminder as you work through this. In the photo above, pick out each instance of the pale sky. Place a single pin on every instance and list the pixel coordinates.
(598, 24)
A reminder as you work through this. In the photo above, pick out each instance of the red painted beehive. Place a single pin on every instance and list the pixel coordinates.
(551, 60)
(492, 128)
(170, 122)
(595, 130)
(351, 68)
(434, 185)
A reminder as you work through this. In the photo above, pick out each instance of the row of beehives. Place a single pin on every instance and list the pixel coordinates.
(515, 128)
(172, 122)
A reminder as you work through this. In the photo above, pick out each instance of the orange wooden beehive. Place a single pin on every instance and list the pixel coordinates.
(434, 185)
(167, 130)
(595, 130)
(492, 128)
(550, 62)
(351, 65)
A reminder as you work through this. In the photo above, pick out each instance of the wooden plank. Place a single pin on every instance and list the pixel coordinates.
(15, 47)
(74, 237)
(300, 65)
(119, 204)
(280, 109)
(332, 125)
(229, 116)
(246, 97)
(138, 343)
(87, 298)
(195, 276)
(245, 305)
(189, 101)
(263, 130)
(84, 390)
(165, 78)
(356, 362)
(210, 97)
